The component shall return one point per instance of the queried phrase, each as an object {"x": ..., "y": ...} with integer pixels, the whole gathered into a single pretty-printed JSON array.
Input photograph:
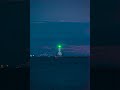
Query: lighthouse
[{"x": 59, "y": 53}]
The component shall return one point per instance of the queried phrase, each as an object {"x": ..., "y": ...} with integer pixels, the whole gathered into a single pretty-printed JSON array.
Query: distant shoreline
[{"x": 63, "y": 57}]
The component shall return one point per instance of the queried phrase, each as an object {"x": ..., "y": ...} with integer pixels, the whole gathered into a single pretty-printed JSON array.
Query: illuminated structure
[{"x": 59, "y": 50}]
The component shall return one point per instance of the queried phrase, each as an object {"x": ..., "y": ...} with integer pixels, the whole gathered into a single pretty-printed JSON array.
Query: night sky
[{"x": 60, "y": 21}]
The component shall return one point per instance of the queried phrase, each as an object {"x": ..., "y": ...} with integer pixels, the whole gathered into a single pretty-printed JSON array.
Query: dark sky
[
  {"x": 60, "y": 21},
  {"x": 58, "y": 10}
]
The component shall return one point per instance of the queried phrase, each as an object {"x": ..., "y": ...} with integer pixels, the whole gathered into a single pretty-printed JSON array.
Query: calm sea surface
[{"x": 59, "y": 74}]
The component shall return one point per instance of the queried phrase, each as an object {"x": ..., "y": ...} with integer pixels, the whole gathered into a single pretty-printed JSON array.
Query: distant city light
[
  {"x": 32, "y": 55},
  {"x": 2, "y": 66}
]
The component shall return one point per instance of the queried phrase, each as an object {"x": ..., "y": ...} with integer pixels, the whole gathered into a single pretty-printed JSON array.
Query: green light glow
[{"x": 59, "y": 46}]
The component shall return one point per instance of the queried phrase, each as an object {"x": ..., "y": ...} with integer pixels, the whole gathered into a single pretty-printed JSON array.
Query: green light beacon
[{"x": 59, "y": 50}]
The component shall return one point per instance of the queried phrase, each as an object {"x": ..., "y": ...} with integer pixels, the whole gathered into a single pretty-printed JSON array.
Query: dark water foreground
[
  {"x": 55, "y": 74},
  {"x": 59, "y": 73},
  {"x": 14, "y": 79}
]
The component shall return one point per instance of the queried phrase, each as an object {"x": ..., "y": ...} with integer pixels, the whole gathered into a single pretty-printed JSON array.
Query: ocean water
[{"x": 60, "y": 73}]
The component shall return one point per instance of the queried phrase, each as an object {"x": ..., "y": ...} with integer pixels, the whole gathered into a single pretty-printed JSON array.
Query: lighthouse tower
[{"x": 59, "y": 53}]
